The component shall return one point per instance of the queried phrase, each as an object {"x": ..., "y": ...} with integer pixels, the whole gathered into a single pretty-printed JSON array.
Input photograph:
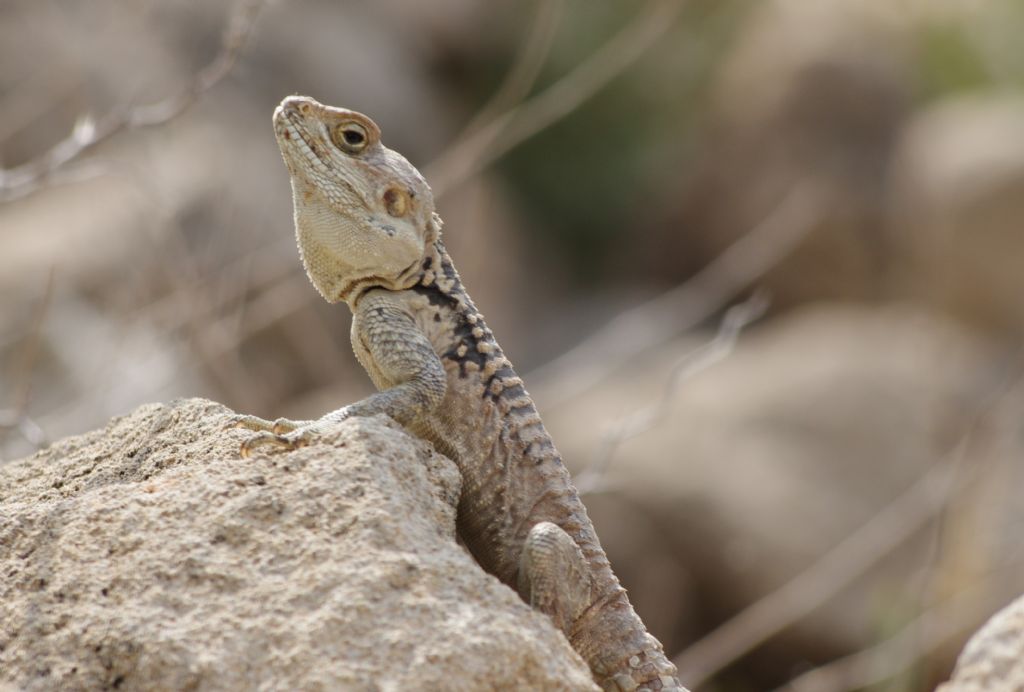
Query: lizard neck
[
  {"x": 419, "y": 273},
  {"x": 438, "y": 272}
]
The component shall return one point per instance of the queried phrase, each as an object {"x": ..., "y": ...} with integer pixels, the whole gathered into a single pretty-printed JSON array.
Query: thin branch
[
  {"x": 16, "y": 417},
  {"x": 30, "y": 353},
  {"x": 504, "y": 132},
  {"x": 820, "y": 582},
  {"x": 525, "y": 68},
  {"x": 886, "y": 659},
  {"x": 735, "y": 320},
  {"x": 88, "y": 132},
  {"x": 834, "y": 571},
  {"x": 272, "y": 304},
  {"x": 10, "y": 419},
  {"x": 257, "y": 269},
  {"x": 226, "y": 369},
  {"x": 656, "y": 321}
]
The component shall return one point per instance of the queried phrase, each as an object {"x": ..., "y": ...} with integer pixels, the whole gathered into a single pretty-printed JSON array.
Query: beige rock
[
  {"x": 150, "y": 556},
  {"x": 957, "y": 205},
  {"x": 994, "y": 657}
]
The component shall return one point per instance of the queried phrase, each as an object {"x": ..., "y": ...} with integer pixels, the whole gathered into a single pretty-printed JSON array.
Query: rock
[
  {"x": 149, "y": 555},
  {"x": 994, "y": 657},
  {"x": 957, "y": 201}
]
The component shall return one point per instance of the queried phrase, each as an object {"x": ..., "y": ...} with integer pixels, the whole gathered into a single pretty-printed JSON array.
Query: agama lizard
[{"x": 369, "y": 236}]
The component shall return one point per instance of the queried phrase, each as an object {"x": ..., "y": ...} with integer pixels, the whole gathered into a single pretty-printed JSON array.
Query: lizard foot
[
  {"x": 281, "y": 426},
  {"x": 553, "y": 575},
  {"x": 265, "y": 438},
  {"x": 282, "y": 433}
]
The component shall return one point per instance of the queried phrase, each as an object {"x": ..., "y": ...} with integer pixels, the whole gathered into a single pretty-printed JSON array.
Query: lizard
[{"x": 369, "y": 236}]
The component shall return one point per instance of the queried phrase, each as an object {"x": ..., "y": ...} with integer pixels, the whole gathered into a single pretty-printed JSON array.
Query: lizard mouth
[
  {"x": 302, "y": 149},
  {"x": 295, "y": 138}
]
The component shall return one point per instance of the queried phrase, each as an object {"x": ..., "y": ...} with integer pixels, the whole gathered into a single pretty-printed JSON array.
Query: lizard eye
[{"x": 350, "y": 137}]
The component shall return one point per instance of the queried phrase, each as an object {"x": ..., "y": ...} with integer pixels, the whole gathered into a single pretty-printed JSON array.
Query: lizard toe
[{"x": 267, "y": 438}]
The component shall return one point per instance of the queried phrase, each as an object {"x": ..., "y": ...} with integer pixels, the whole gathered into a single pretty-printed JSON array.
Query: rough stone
[
  {"x": 150, "y": 556},
  {"x": 994, "y": 657}
]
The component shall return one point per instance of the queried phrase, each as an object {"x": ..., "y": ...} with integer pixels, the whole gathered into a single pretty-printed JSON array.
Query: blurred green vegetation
[
  {"x": 972, "y": 51},
  {"x": 594, "y": 170},
  {"x": 950, "y": 61}
]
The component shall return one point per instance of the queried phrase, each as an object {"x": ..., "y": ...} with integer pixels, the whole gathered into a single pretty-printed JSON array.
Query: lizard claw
[
  {"x": 281, "y": 433},
  {"x": 267, "y": 438},
  {"x": 281, "y": 426}
]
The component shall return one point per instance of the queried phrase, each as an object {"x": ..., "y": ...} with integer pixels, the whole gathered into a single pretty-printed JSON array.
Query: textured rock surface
[
  {"x": 150, "y": 556},
  {"x": 994, "y": 657}
]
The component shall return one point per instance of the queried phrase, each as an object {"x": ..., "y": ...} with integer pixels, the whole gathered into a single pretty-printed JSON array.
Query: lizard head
[{"x": 364, "y": 216}]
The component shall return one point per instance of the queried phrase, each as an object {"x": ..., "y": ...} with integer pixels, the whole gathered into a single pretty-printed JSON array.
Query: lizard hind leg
[{"x": 553, "y": 575}]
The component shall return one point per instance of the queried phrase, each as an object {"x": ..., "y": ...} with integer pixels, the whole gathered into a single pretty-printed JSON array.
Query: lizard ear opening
[{"x": 396, "y": 201}]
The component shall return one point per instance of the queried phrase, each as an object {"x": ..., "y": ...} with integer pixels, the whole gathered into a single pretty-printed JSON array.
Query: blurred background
[{"x": 760, "y": 263}]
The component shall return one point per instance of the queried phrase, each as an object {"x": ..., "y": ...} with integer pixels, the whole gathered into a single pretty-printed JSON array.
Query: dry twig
[
  {"x": 834, "y": 571},
  {"x": 488, "y": 143},
  {"x": 50, "y": 168},
  {"x": 10, "y": 419},
  {"x": 906, "y": 515},
  {"x": 656, "y": 321},
  {"x": 16, "y": 417},
  {"x": 524, "y": 71},
  {"x": 938, "y": 621},
  {"x": 735, "y": 320},
  {"x": 922, "y": 635}
]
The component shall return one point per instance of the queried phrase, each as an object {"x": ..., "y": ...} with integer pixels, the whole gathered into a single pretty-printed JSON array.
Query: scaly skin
[{"x": 368, "y": 235}]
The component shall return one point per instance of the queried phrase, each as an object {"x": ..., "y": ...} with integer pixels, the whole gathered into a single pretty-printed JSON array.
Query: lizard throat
[{"x": 353, "y": 290}]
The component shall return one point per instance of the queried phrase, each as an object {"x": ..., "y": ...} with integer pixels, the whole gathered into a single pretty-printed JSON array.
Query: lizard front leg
[{"x": 401, "y": 362}]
